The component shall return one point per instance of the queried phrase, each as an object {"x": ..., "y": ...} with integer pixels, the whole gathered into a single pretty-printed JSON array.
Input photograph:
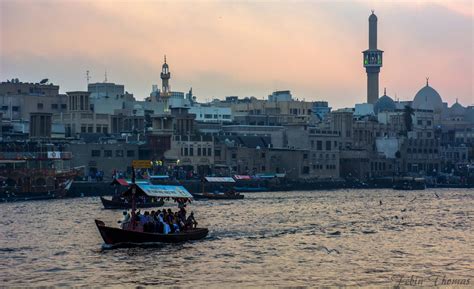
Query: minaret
[
  {"x": 165, "y": 76},
  {"x": 372, "y": 62}
]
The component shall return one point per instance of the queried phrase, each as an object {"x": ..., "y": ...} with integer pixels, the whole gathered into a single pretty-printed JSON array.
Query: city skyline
[{"x": 251, "y": 49}]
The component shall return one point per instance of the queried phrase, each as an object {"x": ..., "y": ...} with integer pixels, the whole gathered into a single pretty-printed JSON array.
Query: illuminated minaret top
[
  {"x": 372, "y": 61},
  {"x": 165, "y": 76}
]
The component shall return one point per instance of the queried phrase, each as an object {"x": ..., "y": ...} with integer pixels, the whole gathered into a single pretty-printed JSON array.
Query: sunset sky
[{"x": 251, "y": 48}]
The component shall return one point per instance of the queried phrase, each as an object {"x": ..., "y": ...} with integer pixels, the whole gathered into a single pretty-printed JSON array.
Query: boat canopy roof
[
  {"x": 124, "y": 182},
  {"x": 269, "y": 176},
  {"x": 220, "y": 180},
  {"x": 159, "y": 177},
  {"x": 242, "y": 177},
  {"x": 160, "y": 191}
]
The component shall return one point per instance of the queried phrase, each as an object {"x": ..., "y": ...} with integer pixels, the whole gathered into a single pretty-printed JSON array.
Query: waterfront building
[
  {"x": 79, "y": 118},
  {"x": 19, "y": 99},
  {"x": 106, "y": 156}
]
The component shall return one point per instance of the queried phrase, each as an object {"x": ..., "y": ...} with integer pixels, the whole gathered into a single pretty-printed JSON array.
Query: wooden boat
[
  {"x": 250, "y": 189},
  {"x": 409, "y": 184},
  {"x": 132, "y": 234},
  {"x": 219, "y": 196},
  {"x": 113, "y": 236},
  {"x": 222, "y": 193},
  {"x": 111, "y": 204}
]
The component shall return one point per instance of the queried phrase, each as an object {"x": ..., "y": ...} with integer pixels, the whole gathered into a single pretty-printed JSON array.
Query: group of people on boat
[{"x": 161, "y": 221}]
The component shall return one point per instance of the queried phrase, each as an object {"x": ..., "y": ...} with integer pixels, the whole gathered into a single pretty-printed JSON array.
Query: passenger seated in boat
[
  {"x": 176, "y": 228},
  {"x": 159, "y": 222},
  {"x": 148, "y": 224},
  {"x": 170, "y": 217},
  {"x": 125, "y": 222},
  {"x": 191, "y": 222},
  {"x": 166, "y": 228}
]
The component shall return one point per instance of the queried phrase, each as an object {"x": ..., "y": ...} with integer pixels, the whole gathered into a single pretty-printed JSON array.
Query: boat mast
[{"x": 134, "y": 207}]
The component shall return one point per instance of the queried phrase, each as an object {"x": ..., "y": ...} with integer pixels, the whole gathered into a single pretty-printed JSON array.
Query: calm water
[{"x": 282, "y": 238}]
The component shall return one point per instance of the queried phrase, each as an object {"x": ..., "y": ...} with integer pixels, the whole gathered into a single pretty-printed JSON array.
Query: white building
[{"x": 212, "y": 113}]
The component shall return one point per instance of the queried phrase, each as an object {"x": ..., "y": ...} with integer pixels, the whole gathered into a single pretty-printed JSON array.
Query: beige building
[
  {"x": 80, "y": 119},
  {"x": 19, "y": 99},
  {"x": 192, "y": 151}
]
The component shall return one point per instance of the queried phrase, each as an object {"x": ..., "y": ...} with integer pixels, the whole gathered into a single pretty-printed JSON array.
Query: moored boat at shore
[
  {"x": 409, "y": 184},
  {"x": 219, "y": 196},
  {"x": 226, "y": 189}
]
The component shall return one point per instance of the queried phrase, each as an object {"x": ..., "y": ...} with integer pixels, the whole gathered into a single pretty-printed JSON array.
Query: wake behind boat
[{"x": 166, "y": 227}]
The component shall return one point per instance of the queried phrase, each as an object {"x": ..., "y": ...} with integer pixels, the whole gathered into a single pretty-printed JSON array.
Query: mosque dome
[
  {"x": 457, "y": 109},
  {"x": 428, "y": 98},
  {"x": 385, "y": 103}
]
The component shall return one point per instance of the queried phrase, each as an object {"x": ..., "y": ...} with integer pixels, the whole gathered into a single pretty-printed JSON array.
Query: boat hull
[
  {"x": 114, "y": 236},
  {"x": 218, "y": 196},
  {"x": 109, "y": 204},
  {"x": 250, "y": 189}
]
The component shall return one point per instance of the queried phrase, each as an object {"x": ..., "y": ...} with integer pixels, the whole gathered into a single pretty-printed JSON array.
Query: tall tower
[
  {"x": 372, "y": 61},
  {"x": 165, "y": 76}
]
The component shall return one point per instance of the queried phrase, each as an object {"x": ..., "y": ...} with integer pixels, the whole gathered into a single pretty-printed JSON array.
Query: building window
[
  {"x": 420, "y": 122},
  {"x": 263, "y": 155},
  {"x": 119, "y": 153},
  {"x": 185, "y": 151},
  {"x": 54, "y": 106},
  {"x": 199, "y": 151},
  {"x": 108, "y": 153},
  {"x": 203, "y": 151},
  {"x": 217, "y": 153},
  {"x": 63, "y": 106},
  {"x": 105, "y": 129},
  {"x": 83, "y": 128},
  {"x": 40, "y": 105},
  {"x": 95, "y": 153},
  {"x": 191, "y": 151},
  {"x": 5, "y": 107},
  {"x": 15, "y": 108},
  {"x": 319, "y": 145},
  {"x": 209, "y": 151},
  {"x": 328, "y": 145},
  {"x": 130, "y": 153},
  {"x": 234, "y": 156},
  {"x": 90, "y": 128}
]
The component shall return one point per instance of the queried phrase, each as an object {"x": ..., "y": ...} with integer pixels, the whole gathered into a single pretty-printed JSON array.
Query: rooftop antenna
[
  {"x": 105, "y": 76},
  {"x": 427, "y": 80},
  {"x": 88, "y": 77}
]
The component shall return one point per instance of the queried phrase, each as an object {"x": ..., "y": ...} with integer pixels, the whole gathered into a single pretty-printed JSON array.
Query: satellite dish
[{"x": 44, "y": 81}]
